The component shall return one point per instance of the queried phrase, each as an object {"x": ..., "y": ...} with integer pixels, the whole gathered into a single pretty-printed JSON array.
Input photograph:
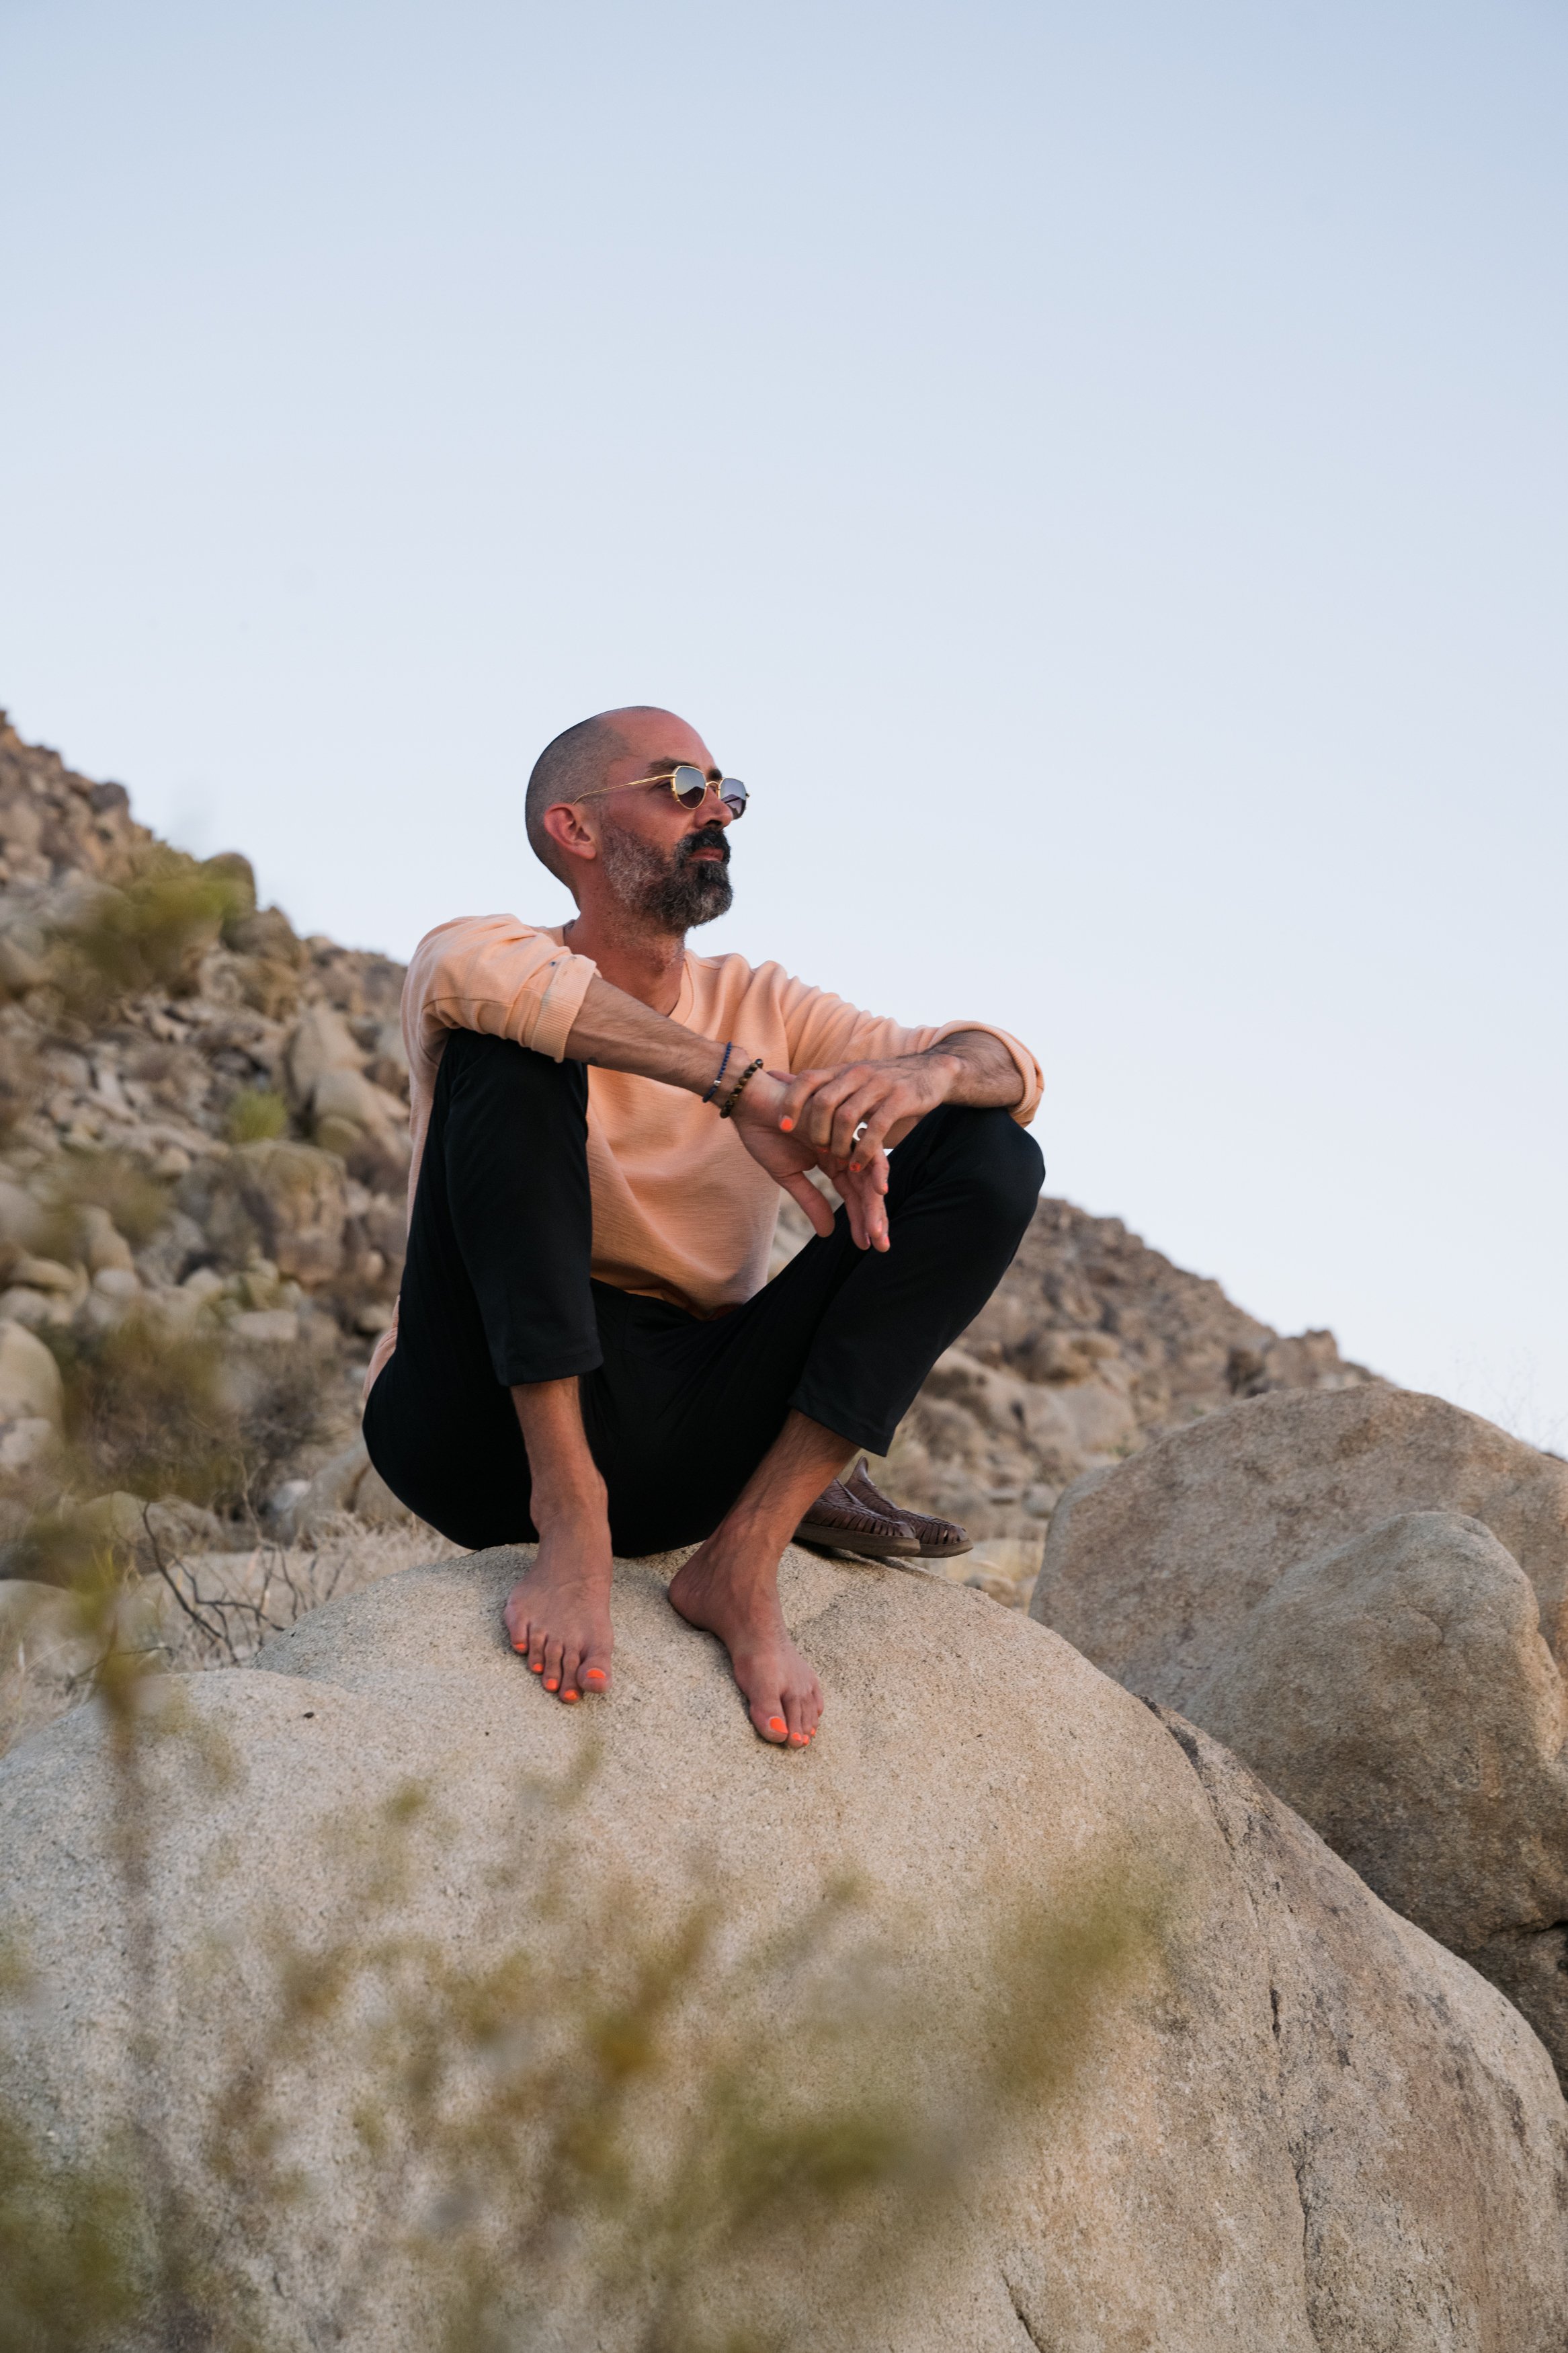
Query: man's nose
[{"x": 714, "y": 806}]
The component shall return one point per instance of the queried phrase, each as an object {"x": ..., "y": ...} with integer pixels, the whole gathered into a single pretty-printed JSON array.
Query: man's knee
[{"x": 1003, "y": 1169}]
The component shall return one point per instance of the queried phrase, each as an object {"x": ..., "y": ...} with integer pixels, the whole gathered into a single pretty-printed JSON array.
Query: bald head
[{"x": 579, "y": 759}]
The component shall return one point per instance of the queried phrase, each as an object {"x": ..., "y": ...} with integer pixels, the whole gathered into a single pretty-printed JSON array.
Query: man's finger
[
  {"x": 819, "y": 1114},
  {"x": 875, "y": 1109},
  {"x": 863, "y": 1197},
  {"x": 800, "y": 1188},
  {"x": 797, "y": 1087}
]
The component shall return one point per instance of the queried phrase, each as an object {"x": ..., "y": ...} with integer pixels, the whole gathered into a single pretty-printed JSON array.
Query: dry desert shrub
[
  {"x": 192, "y": 1610},
  {"x": 149, "y": 933},
  {"x": 117, "y": 1183},
  {"x": 152, "y": 1409},
  {"x": 255, "y": 1115},
  {"x": 220, "y": 1608}
]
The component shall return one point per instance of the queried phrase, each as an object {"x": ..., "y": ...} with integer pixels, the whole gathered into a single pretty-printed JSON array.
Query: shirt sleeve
[
  {"x": 495, "y": 974},
  {"x": 823, "y": 1029}
]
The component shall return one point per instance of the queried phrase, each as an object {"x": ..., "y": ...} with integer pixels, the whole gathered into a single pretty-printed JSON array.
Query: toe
[
  {"x": 770, "y": 1722},
  {"x": 553, "y": 1664},
  {"x": 594, "y": 1674}
]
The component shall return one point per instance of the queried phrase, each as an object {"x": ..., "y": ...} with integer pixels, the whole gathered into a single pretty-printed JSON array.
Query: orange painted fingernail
[
  {"x": 787, "y": 1125},
  {"x": 594, "y": 1674},
  {"x": 777, "y": 1723}
]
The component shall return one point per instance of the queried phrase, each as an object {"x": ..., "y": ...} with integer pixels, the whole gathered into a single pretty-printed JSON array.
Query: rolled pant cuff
[
  {"x": 871, "y": 1438},
  {"x": 525, "y": 1372}
]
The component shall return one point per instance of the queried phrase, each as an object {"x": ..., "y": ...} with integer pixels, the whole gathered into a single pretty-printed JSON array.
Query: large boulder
[
  {"x": 1397, "y": 1692},
  {"x": 1360, "y": 1593},
  {"x": 1180, "y": 2079},
  {"x": 1152, "y": 1568}
]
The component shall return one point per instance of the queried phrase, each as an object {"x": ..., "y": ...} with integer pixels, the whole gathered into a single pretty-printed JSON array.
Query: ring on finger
[{"x": 860, "y": 1131}]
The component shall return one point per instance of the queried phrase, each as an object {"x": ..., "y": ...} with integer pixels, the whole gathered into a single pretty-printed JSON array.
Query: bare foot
[
  {"x": 722, "y": 1589},
  {"x": 558, "y": 1614}
]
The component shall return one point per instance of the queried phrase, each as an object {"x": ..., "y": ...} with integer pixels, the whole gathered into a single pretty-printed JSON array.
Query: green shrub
[
  {"x": 255, "y": 1115},
  {"x": 149, "y": 933}
]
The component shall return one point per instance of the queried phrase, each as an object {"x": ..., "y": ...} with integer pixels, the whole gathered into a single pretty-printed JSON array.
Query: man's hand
[
  {"x": 786, "y": 1158},
  {"x": 825, "y": 1108}
]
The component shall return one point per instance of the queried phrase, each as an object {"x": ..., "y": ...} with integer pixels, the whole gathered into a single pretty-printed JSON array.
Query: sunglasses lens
[
  {"x": 690, "y": 786},
  {"x": 734, "y": 795}
]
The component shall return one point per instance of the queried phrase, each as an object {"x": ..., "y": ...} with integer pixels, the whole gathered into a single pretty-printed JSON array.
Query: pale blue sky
[{"x": 1098, "y": 473}]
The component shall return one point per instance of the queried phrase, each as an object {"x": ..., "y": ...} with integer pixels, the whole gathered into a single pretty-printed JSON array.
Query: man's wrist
[{"x": 948, "y": 1068}]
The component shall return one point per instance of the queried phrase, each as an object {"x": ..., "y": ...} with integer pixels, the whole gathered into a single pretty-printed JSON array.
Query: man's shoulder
[
  {"x": 464, "y": 935},
  {"x": 733, "y": 972},
  {"x": 488, "y": 927}
]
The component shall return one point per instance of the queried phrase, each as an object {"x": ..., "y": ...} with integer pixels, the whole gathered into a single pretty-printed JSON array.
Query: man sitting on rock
[{"x": 586, "y": 1347}]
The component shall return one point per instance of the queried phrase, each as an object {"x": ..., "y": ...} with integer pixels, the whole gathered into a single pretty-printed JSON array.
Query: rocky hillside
[{"x": 202, "y": 1166}]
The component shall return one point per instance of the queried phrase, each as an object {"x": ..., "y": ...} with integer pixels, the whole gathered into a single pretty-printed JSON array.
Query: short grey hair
[{"x": 570, "y": 766}]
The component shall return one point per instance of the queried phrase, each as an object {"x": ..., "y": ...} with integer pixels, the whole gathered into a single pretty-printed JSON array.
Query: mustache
[{"x": 706, "y": 837}]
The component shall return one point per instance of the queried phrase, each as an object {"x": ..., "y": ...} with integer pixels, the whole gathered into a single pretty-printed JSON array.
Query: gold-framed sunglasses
[{"x": 691, "y": 788}]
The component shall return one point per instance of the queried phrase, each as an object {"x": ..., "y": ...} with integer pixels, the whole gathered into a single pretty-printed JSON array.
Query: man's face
[{"x": 667, "y": 864}]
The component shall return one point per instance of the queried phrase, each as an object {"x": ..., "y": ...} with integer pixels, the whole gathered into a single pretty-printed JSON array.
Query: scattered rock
[
  {"x": 1092, "y": 1347},
  {"x": 267, "y": 1327},
  {"x": 29, "y": 1378},
  {"x": 321, "y": 1498},
  {"x": 323, "y": 1043},
  {"x": 286, "y": 1199}
]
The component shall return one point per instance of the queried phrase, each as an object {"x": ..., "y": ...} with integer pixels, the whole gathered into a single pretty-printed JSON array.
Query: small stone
[
  {"x": 26, "y": 1443},
  {"x": 270, "y": 1327}
]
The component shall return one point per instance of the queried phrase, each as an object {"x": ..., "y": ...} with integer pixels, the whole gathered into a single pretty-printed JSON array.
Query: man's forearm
[
  {"x": 986, "y": 1077},
  {"x": 619, "y": 1033}
]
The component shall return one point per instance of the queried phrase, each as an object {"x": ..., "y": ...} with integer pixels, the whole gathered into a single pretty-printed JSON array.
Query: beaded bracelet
[
  {"x": 739, "y": 1089},
  {"x": 714, "y": 1088}
]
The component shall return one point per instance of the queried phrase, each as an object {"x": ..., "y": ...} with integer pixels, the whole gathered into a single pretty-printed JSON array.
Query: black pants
[{"x": 678, "y": 1409}]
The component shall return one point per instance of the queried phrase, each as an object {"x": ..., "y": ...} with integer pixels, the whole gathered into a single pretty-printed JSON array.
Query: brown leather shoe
[
  {"x": 845, "y": 1522},
  {"x": 936, "y": 1539}
]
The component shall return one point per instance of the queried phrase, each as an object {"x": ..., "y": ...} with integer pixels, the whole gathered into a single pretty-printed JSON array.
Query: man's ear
[{"x": 563, "y": 821}]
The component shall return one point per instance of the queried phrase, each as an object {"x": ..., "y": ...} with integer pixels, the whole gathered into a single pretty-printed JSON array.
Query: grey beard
[{"x": 676, "y": 895}]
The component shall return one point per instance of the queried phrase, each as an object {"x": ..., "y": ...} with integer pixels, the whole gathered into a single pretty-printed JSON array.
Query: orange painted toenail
[
  {"x": 777, "y": 1723},
  {"x": 549, "y": 1685},
  {"x": 571, "y": 1697},
  {"x": 538, "y": 1665},
  {"x": 593, "y": 1675}
]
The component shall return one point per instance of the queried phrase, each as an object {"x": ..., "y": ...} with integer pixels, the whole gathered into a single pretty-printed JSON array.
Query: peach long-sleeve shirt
[{"x": 681, "y": 1208}]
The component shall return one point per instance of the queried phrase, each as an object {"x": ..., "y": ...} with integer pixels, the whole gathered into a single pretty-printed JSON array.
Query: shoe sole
[{"x": 870, "y": 1546}]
